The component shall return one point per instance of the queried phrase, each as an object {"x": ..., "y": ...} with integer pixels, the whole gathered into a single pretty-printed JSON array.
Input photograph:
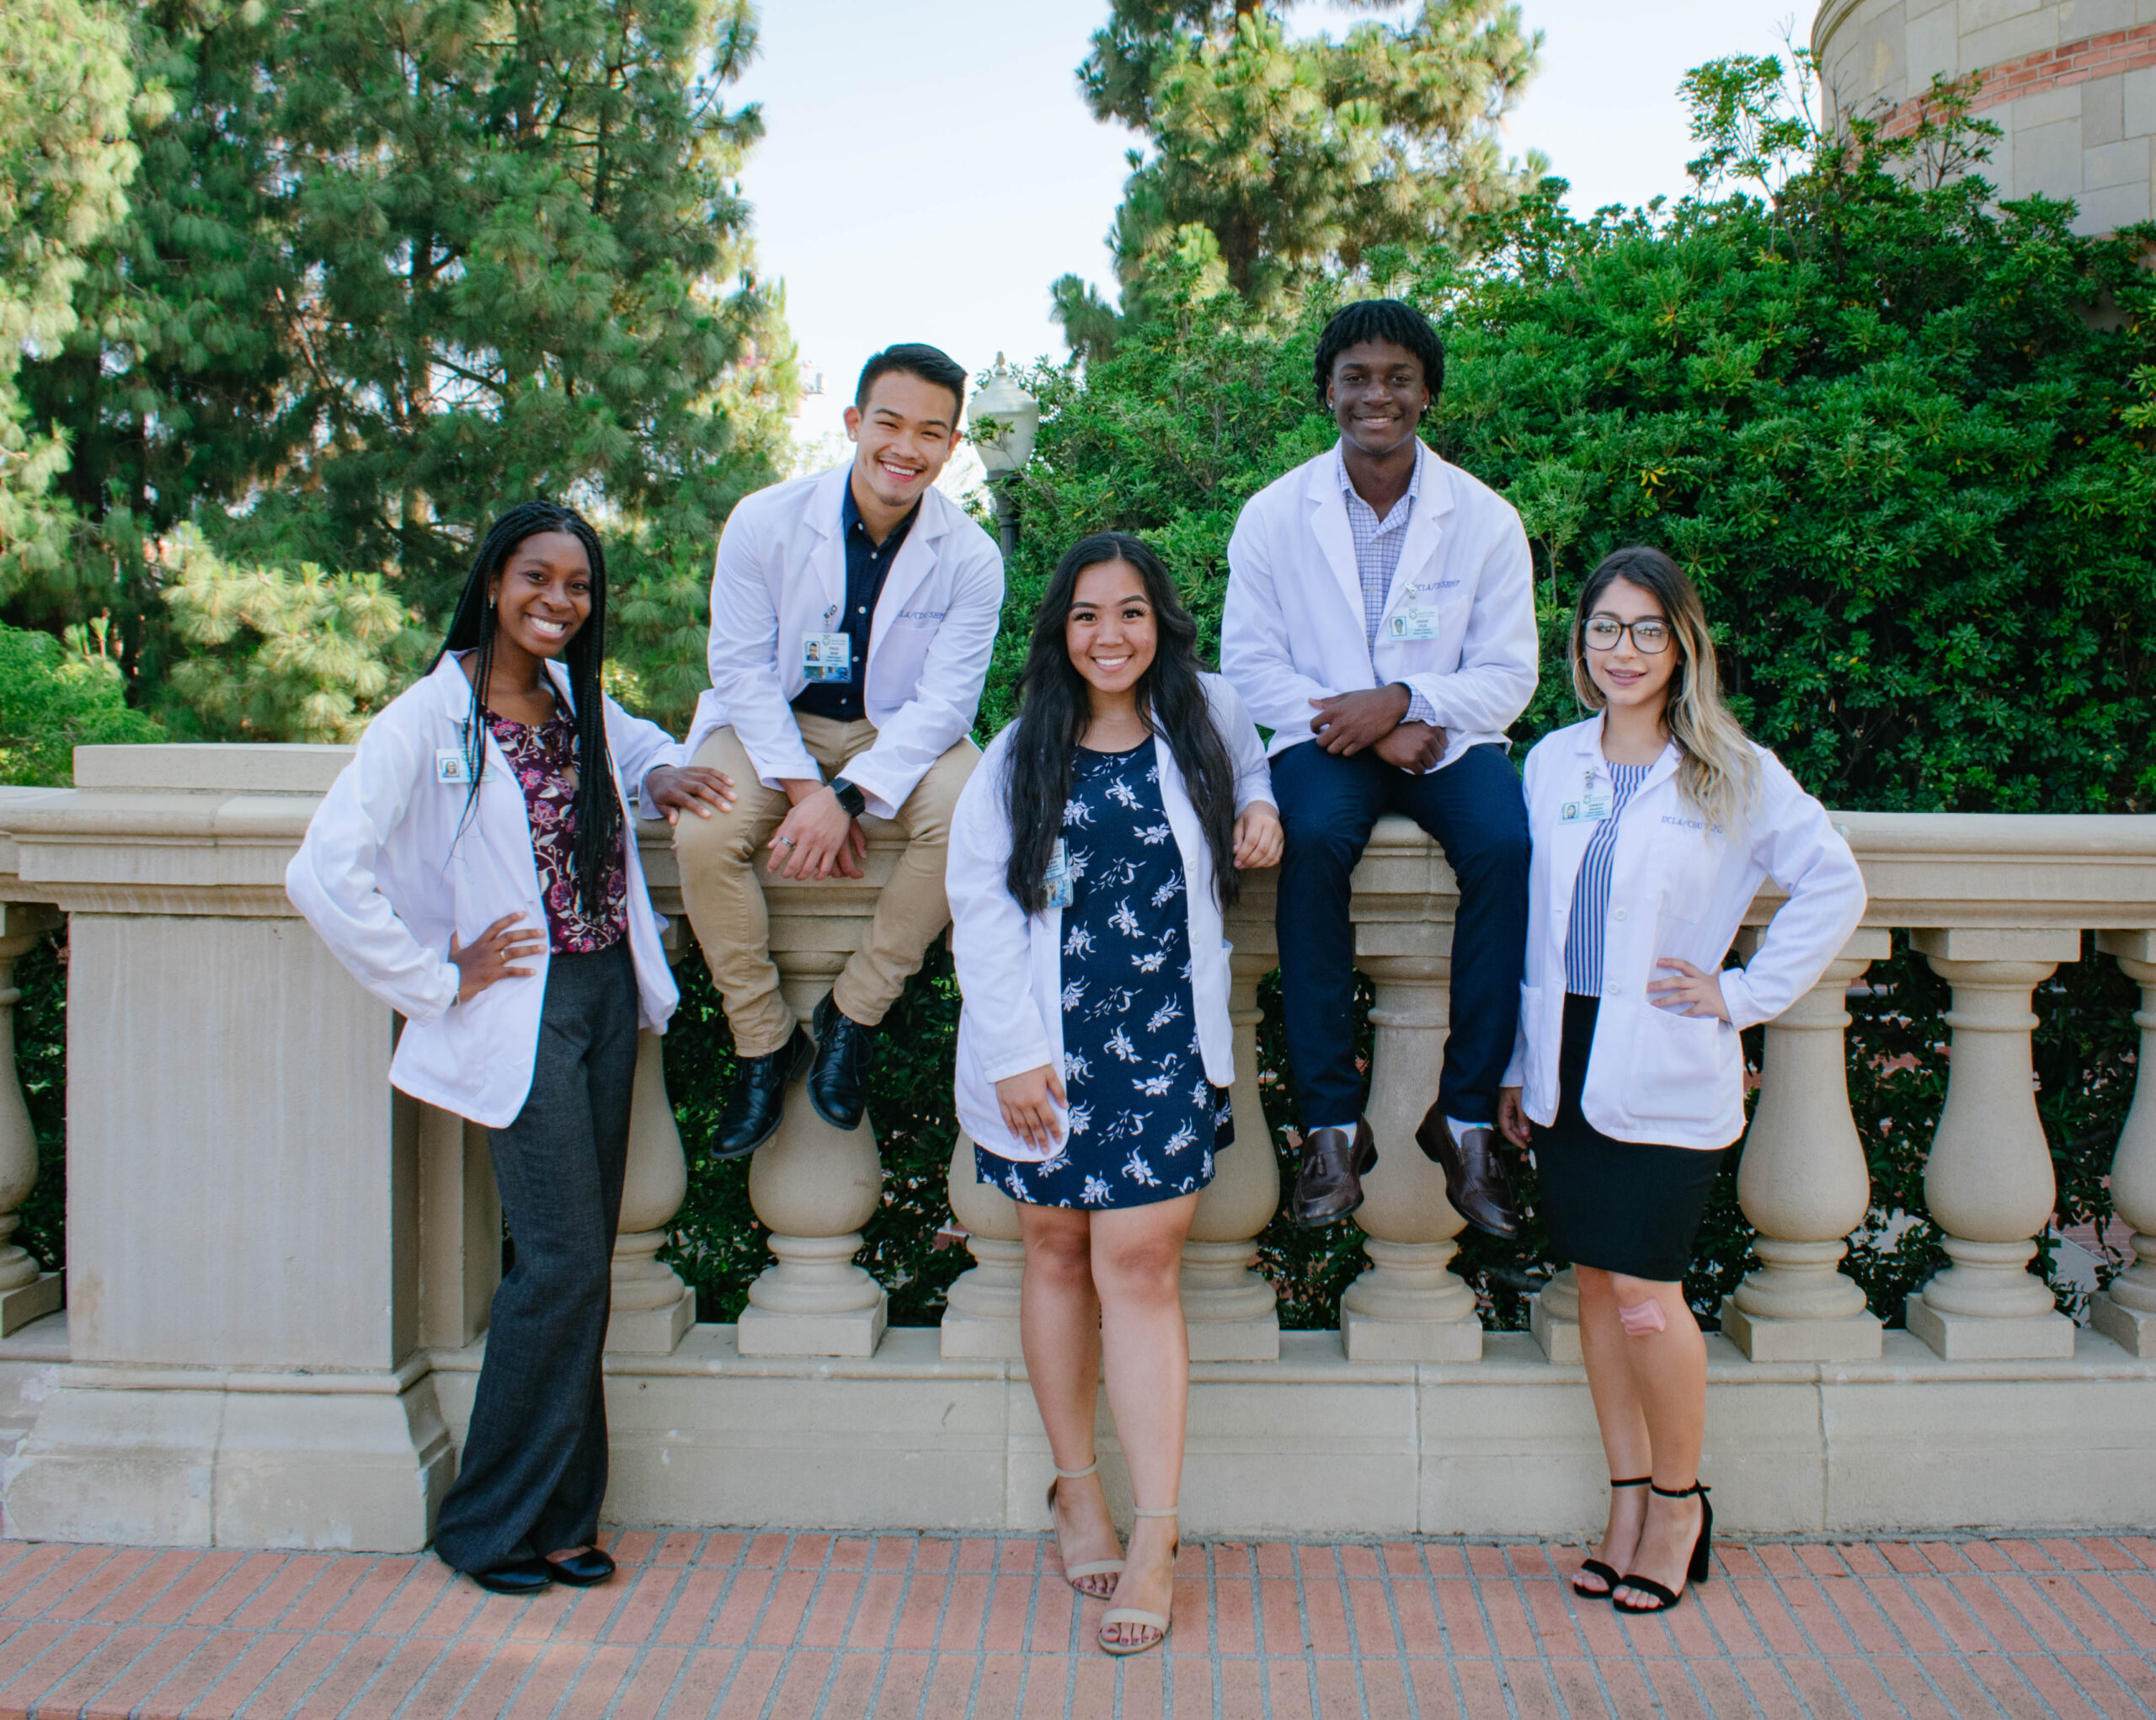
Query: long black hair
[
  {"x": 1055, "y": 703},
  {"x": 598, "y": 811}
]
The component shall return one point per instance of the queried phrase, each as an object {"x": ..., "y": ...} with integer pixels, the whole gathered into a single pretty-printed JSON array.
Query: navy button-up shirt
[{"x": 867, "y": 565}]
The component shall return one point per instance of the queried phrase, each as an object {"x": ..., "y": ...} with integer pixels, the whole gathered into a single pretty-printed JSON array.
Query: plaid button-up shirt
[{"x": 1378, "y": 544}]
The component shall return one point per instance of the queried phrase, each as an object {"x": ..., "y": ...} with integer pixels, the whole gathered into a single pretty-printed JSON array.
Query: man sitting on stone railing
[{"x": 852, "y": 616}]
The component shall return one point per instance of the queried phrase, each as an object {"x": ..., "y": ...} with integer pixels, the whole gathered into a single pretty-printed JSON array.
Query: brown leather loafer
[
  {"x": 1329, "y": 1186},
  {"x": 1475, "y": 1182}
]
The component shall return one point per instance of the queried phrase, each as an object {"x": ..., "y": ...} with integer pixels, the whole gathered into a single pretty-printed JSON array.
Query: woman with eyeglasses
[{"x": 1655, "y": 822}]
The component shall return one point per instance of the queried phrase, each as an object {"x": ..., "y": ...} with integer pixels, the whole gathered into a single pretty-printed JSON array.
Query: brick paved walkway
[{"x": 938, "y": 1625}]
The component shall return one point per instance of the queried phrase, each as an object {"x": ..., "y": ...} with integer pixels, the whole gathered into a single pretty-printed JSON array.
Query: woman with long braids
[
  {"x": 1655, "y": 822},
  {"x": 1092, "y": 856},
  {"x": 473, "y": 868}
]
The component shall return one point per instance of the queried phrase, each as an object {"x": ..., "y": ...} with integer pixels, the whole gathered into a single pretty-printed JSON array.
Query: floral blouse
[{"x": 544, "y": 759}]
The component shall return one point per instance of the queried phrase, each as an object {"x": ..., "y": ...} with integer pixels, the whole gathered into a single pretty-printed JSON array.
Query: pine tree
[
  {"x": 66, "y": 90},
  {"x": 1270, "y": 155},
  {"x": 396, "y": 264}
]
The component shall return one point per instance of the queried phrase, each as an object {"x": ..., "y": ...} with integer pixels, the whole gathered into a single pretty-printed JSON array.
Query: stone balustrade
[{"x": 279, "y": 1270}]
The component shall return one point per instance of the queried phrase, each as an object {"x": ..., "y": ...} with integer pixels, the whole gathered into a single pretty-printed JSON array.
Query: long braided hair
[{"x": 597, "y": 810}]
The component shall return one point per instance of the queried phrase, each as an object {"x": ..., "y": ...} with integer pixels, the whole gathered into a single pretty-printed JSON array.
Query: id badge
[
  {"x": 1413, "y": 622},
  {"x": 827, "y": 657},
  {"x": 1062, "y": 892},
  {"x": 451, "y": 768},
  {"x": 1588, "y": 808}
]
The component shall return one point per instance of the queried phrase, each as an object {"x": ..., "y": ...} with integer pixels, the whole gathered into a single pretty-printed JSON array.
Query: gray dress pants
[{"x": 534, "y": 1468}]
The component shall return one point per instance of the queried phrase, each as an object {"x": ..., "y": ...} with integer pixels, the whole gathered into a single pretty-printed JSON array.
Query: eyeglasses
[{"x": 1650, "y": 638}]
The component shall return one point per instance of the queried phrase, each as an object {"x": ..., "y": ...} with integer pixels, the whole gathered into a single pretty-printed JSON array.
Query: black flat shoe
[
  {"x": 758, "y": 1101},
  {"x": 581, "y": 1570},
  {"x": 522, "y": 1577},
  {"x": 838, "y": 1081}
]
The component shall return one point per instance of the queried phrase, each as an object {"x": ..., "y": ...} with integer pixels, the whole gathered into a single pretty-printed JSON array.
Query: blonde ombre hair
[{"x": 1720, "y": 772}]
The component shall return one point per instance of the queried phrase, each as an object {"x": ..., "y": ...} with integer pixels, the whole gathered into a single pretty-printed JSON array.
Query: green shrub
[{"x": 53, "y": 699}]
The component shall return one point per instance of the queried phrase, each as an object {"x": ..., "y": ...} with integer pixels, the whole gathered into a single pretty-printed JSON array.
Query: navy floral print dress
[{"x": 1143, "y": 1121}]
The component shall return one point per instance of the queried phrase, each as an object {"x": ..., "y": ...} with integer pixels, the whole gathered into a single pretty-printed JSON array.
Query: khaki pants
[{"x": 722, "y": 859}]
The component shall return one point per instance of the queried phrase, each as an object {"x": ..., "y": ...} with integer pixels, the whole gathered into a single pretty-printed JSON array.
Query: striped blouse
[{"x": 1583, "y": 937}]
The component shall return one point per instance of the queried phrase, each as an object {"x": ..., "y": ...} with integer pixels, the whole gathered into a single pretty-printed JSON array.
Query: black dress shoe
[
  {"x": 758, "y": 1101},
  {"x": 1475, "y": 1182},
  {"x": 838, "y": 1081},
  {"x": 1329, "y": 1185},
  {"x": 523, "y": 1577},
  {"x": 581, "y": 1570}
]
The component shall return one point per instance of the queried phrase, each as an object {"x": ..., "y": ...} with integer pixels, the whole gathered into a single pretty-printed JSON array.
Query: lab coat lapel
[
  {"x": 916, "y": 560},
  {"x": 1329, "y": 525},
  {"x": 827, "y": 548},
  {"x": 1425, "y": 520}
]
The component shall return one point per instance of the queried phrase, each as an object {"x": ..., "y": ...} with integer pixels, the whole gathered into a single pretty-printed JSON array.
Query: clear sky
[{"x": 928, "y": 170}]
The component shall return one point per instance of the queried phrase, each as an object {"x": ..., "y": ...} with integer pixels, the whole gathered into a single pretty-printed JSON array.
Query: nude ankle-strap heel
[
  {"x": 1094, "y": 1567},
  {"x": 1139, "y": 1614}
]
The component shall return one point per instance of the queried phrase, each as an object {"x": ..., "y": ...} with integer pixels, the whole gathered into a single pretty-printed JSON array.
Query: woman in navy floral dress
[
  {"x": 1093, "y": 855},
  {"x": 1142, "y": 1118}
]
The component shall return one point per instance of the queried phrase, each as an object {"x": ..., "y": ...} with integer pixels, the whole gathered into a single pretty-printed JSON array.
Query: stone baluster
[
  {"x": 815, "y": 1188},
  {"x": 1804, "y": 1183},
  {"x": 652, "y": 1308},
  {"x": 1229, "y": 1306},
  {"x": 26, "y": 1291},
  {"x": 980, "y": 1312},
  {"x": 2125, "y": 1312},
  {"x": 1553, "y": 1318},
  {"x": 1988, "y": 1181},
  {"x": 1408, "y": 1306}
]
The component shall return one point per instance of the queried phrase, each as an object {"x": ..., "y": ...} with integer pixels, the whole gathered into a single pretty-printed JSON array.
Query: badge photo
[{"x": 451, "y": 768}]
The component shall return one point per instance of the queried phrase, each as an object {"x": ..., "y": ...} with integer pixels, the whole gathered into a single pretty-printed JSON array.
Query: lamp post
[{"x": 1004, "y": 420}]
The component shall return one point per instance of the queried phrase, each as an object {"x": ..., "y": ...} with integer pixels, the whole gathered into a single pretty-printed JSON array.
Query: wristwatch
[{"x": 849, "y": 796}]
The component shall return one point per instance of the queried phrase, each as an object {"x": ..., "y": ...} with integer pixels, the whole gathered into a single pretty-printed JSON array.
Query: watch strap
[{"x": 849, "y": 796}]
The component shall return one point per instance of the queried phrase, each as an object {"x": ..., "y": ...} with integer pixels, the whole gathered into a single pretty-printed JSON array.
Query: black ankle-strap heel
[
  {"x": 1601, "y": 1567},
  {"x": 1697, "y": 1571}
]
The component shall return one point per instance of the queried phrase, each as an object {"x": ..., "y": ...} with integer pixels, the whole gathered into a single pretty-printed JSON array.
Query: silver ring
[{"x": 789, "y": 840}]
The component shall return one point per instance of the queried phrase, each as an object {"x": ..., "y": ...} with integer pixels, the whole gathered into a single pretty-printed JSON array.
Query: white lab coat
[
  {"x": 384, "y": 876},
  {"x": 1676, "y": 889},
  {"x": 1010, "y": 962},
  {"x": 781, "y": 575},
  {"x": 1292, "y": 628}
]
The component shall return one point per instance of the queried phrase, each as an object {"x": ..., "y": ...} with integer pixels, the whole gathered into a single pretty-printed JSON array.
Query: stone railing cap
[{"x": 215, "y": 767}]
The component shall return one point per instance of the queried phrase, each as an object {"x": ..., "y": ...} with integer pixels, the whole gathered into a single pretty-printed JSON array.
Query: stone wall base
[
  {"x": 1310, "y": 1444},
  {"x": 176, "y": 1457},
  {"x": 1316, "y": 1444}
]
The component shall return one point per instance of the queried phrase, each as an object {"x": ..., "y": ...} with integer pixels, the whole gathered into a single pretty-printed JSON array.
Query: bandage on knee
[{"x": 1642, "y": 1318}]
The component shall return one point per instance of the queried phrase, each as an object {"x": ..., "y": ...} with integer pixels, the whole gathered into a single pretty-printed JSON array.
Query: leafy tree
[
  {"x": 65, "y": 93},
  {"x": 1269, "y": 155},
  {"x": 1902, "y": 436},
  {"x": 53, "y": 699}
]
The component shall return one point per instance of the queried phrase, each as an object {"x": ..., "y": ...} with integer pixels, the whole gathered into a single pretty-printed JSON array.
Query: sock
[
  {"x": 1349, "y": 1126},
  {"x": 1460, "y": 1128}
]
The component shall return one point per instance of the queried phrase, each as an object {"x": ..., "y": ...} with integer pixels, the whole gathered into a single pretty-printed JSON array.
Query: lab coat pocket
[{"x": 1679, "y": 1071}]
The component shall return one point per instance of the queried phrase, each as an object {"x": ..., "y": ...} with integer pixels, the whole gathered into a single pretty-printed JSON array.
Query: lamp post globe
[{"x": 1004, "y": 419}]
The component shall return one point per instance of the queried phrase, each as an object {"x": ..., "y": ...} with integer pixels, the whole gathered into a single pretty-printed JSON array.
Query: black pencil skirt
[{"x": 1620, "y": 1205}]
